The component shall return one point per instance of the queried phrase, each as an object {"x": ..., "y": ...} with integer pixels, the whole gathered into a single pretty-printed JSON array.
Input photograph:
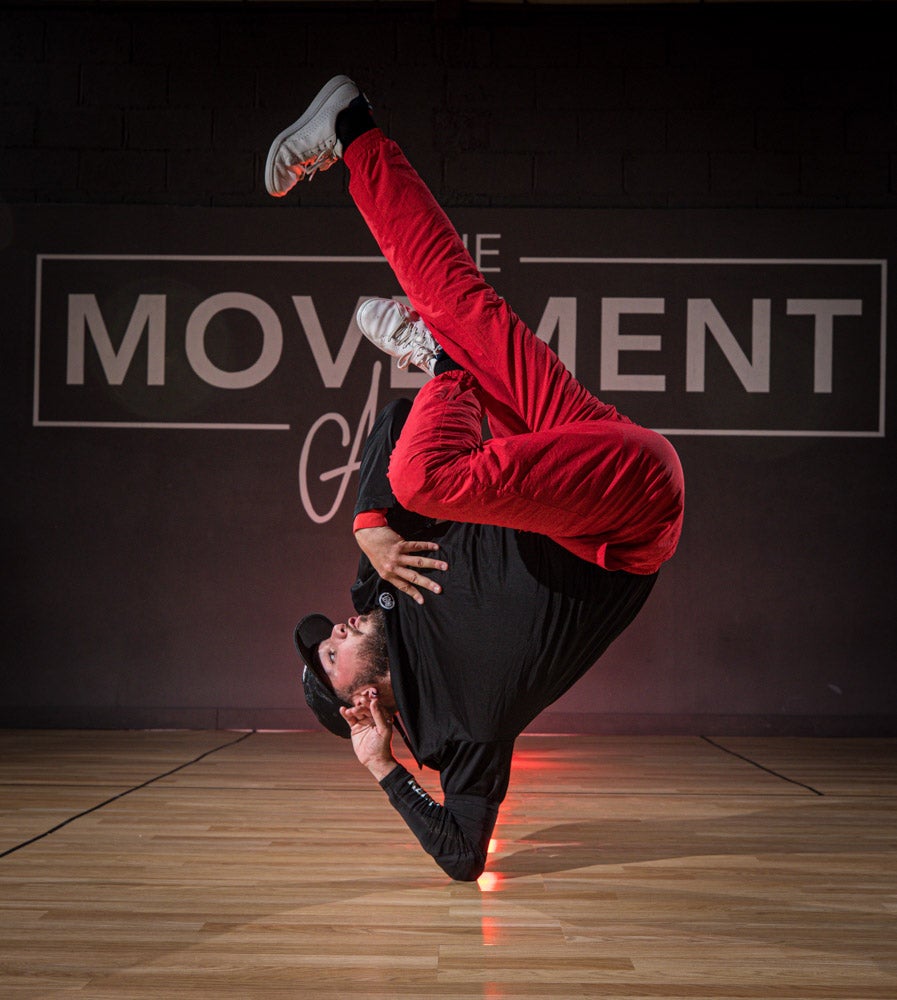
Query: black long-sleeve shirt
[{"x": 519, "y": 620}]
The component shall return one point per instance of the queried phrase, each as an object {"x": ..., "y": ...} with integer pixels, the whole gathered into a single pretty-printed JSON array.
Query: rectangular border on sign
[
  {"x": 881, "y": 264},
  {"x": 759, "y": 262},
  {"x": 211, "y": 258}
]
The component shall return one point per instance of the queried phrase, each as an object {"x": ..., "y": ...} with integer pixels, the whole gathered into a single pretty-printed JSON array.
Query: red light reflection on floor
[
  {"x": 490, "y": 881},
  {"x": 536, "y": 760},
  {"x": 491, "y": 930}
]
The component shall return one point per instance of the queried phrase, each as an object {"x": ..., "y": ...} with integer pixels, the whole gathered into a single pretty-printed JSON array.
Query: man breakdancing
[{"x": 546, "y": 538}]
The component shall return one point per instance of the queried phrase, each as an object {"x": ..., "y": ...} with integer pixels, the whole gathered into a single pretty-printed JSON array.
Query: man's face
[{"x": 344, "y": 656}]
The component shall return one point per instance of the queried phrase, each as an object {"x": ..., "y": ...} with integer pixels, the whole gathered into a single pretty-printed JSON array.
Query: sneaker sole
[{"x": 323, "y": 96}]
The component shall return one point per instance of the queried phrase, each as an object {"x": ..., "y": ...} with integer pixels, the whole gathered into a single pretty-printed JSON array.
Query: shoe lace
[
  {"x": 323, "y": 161},
  {"x": 410, "y": 341}
]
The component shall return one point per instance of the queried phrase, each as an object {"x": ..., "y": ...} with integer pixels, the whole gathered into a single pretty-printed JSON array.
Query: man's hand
[
  {"x": 371, "y": 731},
  {"x": 398, "y": 561}
]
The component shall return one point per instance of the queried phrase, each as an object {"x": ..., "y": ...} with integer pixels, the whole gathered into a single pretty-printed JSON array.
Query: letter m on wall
[{"x": 84, "y": 316}]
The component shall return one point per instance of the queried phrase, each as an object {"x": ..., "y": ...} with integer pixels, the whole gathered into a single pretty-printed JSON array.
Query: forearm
[
  {"x": 374, "y": 490},
  {"x": 457, "y": 839},
  {"x": 375, "y": 503}
]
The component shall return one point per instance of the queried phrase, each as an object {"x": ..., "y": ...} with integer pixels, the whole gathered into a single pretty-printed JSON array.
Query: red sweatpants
[{"x": 560, "y": 462}]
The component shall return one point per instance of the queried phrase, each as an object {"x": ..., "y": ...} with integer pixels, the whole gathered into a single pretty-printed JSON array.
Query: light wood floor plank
[{"x": 623, "y": 867}]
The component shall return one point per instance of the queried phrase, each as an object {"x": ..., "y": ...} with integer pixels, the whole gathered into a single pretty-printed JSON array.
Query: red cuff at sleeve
[{"x": 369, "y": 519}]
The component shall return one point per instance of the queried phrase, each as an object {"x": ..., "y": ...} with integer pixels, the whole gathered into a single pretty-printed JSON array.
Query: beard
[{"x": 376, "y": 656}]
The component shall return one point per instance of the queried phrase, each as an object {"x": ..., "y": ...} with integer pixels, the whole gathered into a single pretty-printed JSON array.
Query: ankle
[
  {"x": 353, "y": 121},
  {"x": 444, "y": 363}
]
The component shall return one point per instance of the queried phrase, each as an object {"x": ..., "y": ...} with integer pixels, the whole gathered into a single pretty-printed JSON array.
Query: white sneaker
[
  {"x": 310, "y": 143},
  {"x": 398, "y": 331}
]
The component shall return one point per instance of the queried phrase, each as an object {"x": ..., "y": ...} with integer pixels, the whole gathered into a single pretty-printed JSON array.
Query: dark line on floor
[
  {"x": 127, "y": 791},
  {"x": 768, "y": 770}
]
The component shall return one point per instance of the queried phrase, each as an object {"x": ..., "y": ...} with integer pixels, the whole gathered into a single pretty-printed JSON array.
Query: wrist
[
  {"x": 381, "y": 768},
  {"x": 370, "y": 519}
]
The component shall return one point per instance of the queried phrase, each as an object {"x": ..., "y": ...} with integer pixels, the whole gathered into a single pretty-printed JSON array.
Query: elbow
[{"x": 464, "y": 869}]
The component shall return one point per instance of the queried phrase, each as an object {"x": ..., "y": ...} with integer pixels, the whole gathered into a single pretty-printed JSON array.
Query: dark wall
[
  {"x": 136, "y": 598},
  {"x": 715, "y": 105}
]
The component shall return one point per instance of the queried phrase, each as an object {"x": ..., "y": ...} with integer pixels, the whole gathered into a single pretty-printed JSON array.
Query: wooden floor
[{"x": 227, "y": 865}]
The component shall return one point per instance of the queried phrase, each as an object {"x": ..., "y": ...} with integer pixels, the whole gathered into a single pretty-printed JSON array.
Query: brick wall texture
[{"x": 710, "y": 105}]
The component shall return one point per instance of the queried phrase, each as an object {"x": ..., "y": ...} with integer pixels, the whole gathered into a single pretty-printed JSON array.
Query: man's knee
[
  {"x": 408, "y": 479},
  {"x": 418, "y": 481}
]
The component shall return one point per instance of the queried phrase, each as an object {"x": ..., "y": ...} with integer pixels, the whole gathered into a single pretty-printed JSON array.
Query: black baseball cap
[{"x": 319, "y": 693}]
